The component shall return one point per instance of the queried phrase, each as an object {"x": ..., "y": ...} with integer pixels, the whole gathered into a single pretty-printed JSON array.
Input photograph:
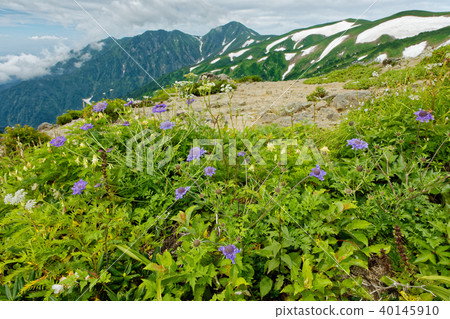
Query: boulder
[
  {"x": 295, "y": 107},
  {"x": 45, "y": 127},
  {"x": 212, "y": 77},
  {"x": 343, "y": 101},
  {"x": 268, "y": 118},
  {"x": 224, "y": 77}
]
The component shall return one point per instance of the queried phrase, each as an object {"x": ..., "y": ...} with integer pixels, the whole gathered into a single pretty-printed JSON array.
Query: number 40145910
[{"x": 409, "y": 310}]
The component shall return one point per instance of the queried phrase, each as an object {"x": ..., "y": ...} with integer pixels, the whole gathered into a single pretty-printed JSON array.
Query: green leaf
[
  {"x": 307, "y": 274},
  {"x": 272, "y": 264},
  {"x": 189, "y": 213},
  {"x": 441, "y": 292},
  {"x": 265, "y": 286},
  {"x": 240, "y": 281},
  {"x": 440, "y": 279},
  {"x": 361, "y": 237},
  {"x": 133, "y": 254},
  {"x": 428, "y": 255},
  {"x": 358, "y": 224}
]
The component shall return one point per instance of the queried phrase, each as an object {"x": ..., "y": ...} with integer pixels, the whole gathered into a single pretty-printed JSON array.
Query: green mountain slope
[
  {"x": 100, "y": 67},
  {"x": 301, "y": 53}
]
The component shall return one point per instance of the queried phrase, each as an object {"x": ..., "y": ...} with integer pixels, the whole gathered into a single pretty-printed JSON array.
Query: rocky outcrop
[
  {"x": 212, "y": 77},
  {"x": 343, "y": 101},
  {"x": 45, "y": 127}
]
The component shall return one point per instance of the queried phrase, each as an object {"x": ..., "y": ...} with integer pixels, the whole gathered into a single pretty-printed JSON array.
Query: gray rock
[
  {"x": 268, "y": 118},
  {"x": 333, "y": 117},
  {"x": 224, "y": 77},
  {"x": 45, "y": 127},
  {"x": 295, "y": 107},
  {"x": 283, "y": 121},
  {"x": 343, "y": 101},
  {"x": 321, "y": 105}
]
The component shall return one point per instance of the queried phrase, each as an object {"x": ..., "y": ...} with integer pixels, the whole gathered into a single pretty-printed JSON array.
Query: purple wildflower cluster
[
  {"x": 58, "y": 141},
  {"x": 180, "y": 192},
  {"x": 126, "y": 123},
  {"x": 129, "y": 103},
  {"x": 241, "y": 153},
  {"x": 87, "y": 126},
  {"x": 195, "y": 153},
  {"x": 423, "y": 116},
  {"x": 230, "y": 252},
  {"x": 160, "y": 108},
  {"x": 189, "y": 101},
  {"x": 100, "y": 106},
  {"x": 167, "y": 125},
  {"x": 209, "y": 171},
  {"x": 79, "y": 186},
  {"x": 318, "y": 173},
  {"x": 357, "y": 144}
]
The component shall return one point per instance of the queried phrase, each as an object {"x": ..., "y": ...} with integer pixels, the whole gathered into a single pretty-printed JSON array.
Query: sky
[{"x": 36, "y": 34}]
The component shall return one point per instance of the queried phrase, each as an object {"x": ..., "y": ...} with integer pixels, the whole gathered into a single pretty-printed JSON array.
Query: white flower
[
  {"x": 94, "y": 160},
  {"x": 30, "y": 204},
  {"x": 77, "y": 160},
  {"x": 57, "y": 289},
  {"x": 251, "y": 168},
  {"x": 8, "y": 199},
  {"x": 35, "y": 186},
  {"x": 85, "y": 162},
  {"x": 270, "y": 147}
]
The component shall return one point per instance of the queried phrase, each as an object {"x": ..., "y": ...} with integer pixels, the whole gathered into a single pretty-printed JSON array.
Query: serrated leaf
[
  {"x": 428, "y": 255},
  {"x": 240, "y": 281},
  {"x": 361, "y": 237},
  {"x": 265, "y": 286}
]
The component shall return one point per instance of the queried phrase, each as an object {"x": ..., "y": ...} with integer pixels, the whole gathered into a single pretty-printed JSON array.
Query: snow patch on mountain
[
  {"x": 234, "y": 67},
  {"x": 247, "y": 43},
  {"x": 289, "y": 56},
  {"x": 362, "y": 57},
  {"x": 193, "y": 67},
  {"x": 270, "y": 46},
  {"x": 414, "y": 50},
  {"x": 332, "y": 45},
  {"x": 262, "y": 59},
  {"x": 250, "y": 57},
  {"x": 403, "y": 27},
  {"x": 309, "y": 50},
  {"x": 327, "y": 31},
  {"x": 237, "y": 54},
  {"x": 215, "y": 61},
  {"x": 289, "y": 69},
  {"x": 226, "y": 47},
  {"x": 381, "y": 58},
  {"x": 280, "y": 49}
]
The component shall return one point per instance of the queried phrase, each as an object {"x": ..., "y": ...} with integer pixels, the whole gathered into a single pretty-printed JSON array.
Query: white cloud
[
  {"x": 27, "y": 66},
  {"x": 47, "y": 37}
]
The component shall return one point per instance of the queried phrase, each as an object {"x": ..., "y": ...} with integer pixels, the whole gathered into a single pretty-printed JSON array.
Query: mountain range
[{"x": 127, "y": 67}]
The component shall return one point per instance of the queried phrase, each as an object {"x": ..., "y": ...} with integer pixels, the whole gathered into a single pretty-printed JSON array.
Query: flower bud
[
  {"x": 218, "y": 191},
  {"x": 348, "y": 191},
  {"x": 359, "y": 168},
  {"x": 196, "y": 243},
  {"x": 277, "y": 190},
  {"x": 351, "y": 123}
]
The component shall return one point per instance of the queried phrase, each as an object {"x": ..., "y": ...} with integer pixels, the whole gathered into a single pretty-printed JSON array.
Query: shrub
[
  {"x": 63, "y": 119},
  {"x": 249, "y": 78},
  {"x": 214, "y": 89},
  {"x": 18, "y": 138},
  {"x": 318, "y": 94}
]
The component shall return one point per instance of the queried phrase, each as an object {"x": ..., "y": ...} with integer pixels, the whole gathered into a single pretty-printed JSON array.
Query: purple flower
[
  {"x": 160, "y": 108},
  {"x": 180, "y": 192},
  {"x": 189, "y": 101},
  {"x": 129, "y": 103},
  {"x": 100, "y": 106},
  {"x": 241, "y": 153},
  {"x": 167, "y": 125},
  {"x": 229, "y": 252},
  {"x": 126, "y": 123},
  {"x": 423, "y": 116},
  {"x": 317, "y": 172},
  {"x": 209, "y": 171},
  {"x": 357, "y": 144},
  {"x": 195, "y": 153},
  {"x": 58, "y": 141},
  {"x": 87, "y": 126},
  {"x": 78, "y": 187},
  {"x": 98, "y": 185}
]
